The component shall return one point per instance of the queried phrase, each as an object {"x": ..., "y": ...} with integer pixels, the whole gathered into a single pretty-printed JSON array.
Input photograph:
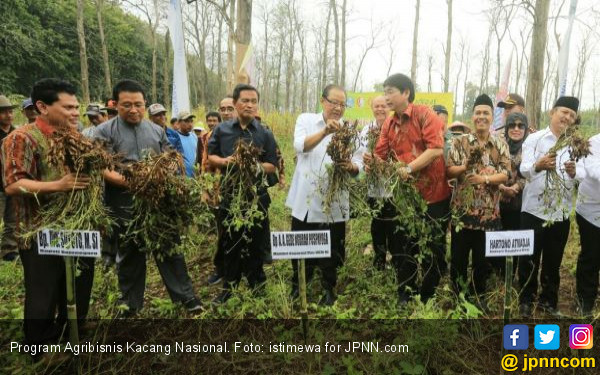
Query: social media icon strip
[
  {"x": 581, "y": 336},
  {"x": 547, "y": 337},
  {"x": 516, "y": 337}
]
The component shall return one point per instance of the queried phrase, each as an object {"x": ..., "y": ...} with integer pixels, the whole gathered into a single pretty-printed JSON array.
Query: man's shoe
[
  {"x": 328, "y": 298},
  {"x": 222, "y": 298},
  {"x": 125, "y": 312},
  {"x": 525, "y": 310},
  {"x": 550, "y": 310},
  {"x": 193, "y": 305},
  {"x": 11, "y": 256},
  {"x": 215, "y": 278}
]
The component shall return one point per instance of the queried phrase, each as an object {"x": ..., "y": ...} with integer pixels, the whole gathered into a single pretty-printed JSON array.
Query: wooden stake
[
  {"x": 302, "y": 290},
  {"x": 508, "y": 282},
  {"x": 71, "y": 304}
]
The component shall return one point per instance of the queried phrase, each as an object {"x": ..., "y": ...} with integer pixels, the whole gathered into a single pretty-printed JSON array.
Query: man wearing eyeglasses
[
  {"x": 312, "y": 135},
  {"x": 132, "y": 136},
  {"x": 227, "y": 112}
]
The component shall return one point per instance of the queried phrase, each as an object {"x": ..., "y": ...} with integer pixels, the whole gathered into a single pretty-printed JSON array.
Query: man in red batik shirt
[{"x": 414, "y": 135}]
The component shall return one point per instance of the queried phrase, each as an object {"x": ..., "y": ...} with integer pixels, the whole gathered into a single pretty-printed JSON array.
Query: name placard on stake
[
  {"x": 509, "y": 243},
  {"x": 301, "y": 245},
  {"x": 73, "y": 243}
]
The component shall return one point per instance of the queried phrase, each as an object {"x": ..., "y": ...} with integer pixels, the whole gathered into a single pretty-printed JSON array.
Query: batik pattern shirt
[
  {"x": 24, "y": 156},
  {"x": 478, "y": 204}
]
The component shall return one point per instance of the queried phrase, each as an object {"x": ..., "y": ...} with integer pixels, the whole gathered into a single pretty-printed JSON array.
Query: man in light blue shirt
[{"x": 189, "y": 141}]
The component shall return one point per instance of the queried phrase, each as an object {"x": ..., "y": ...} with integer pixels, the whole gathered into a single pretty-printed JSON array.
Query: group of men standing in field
[
  {"x": 491, "y": 178},
  {"x": 439, "y": 162}
]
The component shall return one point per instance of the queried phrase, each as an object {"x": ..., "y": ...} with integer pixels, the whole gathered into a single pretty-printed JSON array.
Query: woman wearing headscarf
[{"x": 516, "y": 129}]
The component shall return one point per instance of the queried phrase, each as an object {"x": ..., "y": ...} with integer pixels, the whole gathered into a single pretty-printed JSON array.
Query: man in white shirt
[
  {"x": 550, "y": 221},
  {"x": 382, "y": 228},
  {"x": 588, "y": 221},
  {"x": 312, "y": 134}
]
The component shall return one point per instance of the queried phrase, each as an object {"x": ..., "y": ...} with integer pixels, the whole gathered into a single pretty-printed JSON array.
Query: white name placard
[
  {"x": 509, "y": 243},
  {"x": 301, "y": 245},
  {"x": 76, "y": 243}
]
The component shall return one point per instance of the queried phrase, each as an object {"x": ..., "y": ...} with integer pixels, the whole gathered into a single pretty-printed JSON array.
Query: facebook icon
[{"x": 516, "y": 337}]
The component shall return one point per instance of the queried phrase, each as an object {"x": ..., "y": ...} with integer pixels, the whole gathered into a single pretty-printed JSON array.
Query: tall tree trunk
[
  {"x": 413, "y": 66},
  {"x": 243, "y": 35},
  {"x": 461, "y": 46},
  {"x": 429, "y": 70},
  {"x": 105, "y": 61},
  {"x": 466, "y": 81},
  {"x": 290, "y": 58},
  {"x": 266, "y": 83},
  {"x": 343, "y": 73},
  {"x": 153, "y": 94},
  {"x": 278, "y": 82},
  {"x": 230, "y": 52},
  {"x": 485, "y": 63},
  {"x": 325, "y": 61},
  {"x": 85, "y": 84},
  {"x": 167, "y": 72},
  {"x": 536, "y": 63},
  {"x": 448, "y": 48},
  {"x": 222, "y": 83},
  {"x": 336, "y": 71},
  {"x": 200, "y": 36}
]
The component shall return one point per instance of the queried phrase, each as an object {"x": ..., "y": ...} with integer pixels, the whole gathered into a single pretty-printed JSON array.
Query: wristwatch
[{"x": 487, "y": 180}]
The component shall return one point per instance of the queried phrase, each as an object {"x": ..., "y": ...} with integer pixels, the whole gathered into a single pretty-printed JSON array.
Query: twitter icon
[{"x": 547, "y": 337}]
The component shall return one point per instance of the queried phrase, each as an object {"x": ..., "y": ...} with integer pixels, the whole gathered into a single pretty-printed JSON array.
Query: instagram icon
[{"x": 581, "y": 336}]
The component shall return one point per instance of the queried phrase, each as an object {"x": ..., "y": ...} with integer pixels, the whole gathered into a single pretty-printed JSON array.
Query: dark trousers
[
  {"x": 266, "y": 242},
  {"x": 549, "y": 246},
  {"x": 382, "y": 232},
  {"x": 328, "y": 266},
  {"x": 463, "y": 243},
  {"x": 131, "y": 262},
  {"x": 218, "y": 259},
  {"x": 243, "y": 253},
  {"x": 405, "y": 251},
  {"x": 511, "y": 220},
  {"x": 45, "y": 294},
  {"x": 131, "y": 268},
  {"x": 588, "y": 263}
]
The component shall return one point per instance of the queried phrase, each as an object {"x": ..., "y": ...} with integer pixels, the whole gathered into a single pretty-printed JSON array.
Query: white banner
[
  {"x": 509, "y": 243},
  {"x": 181, "y": 89},
  {"x": 301, "y": 245},
  {"x": 76, "y": 243},
  {"x": 563, "y": 55}
]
